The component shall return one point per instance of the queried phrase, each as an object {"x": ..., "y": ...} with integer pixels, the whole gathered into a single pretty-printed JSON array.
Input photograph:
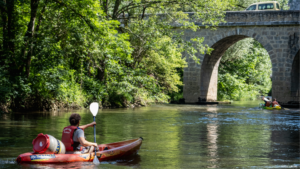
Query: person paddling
[
  {"x": 73, "y": 136},
  {"x": 267, "y": 102},
  {"x": 275, "y": 103}
]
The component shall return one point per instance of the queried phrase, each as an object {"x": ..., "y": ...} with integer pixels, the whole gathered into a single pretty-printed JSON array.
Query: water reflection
[
  {"x": 212, "y": 136},
  {"x": 126, "y": 162},
  {"x": 285, "y": 137},
  {"x": 75, "y": 165},
  {"x": 175, "y": 136}
]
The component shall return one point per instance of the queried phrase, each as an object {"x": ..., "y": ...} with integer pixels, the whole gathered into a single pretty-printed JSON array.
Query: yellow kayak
[{"x": 270, "y": 108}]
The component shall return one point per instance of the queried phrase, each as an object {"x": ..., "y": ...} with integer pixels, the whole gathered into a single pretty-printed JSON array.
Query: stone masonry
[
  {"x": 277, "y": 31},
  {"x": 294, "y": 4}
]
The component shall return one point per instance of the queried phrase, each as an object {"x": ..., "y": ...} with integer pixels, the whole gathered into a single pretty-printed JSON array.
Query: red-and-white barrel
[{"x": 47, "y": 144}]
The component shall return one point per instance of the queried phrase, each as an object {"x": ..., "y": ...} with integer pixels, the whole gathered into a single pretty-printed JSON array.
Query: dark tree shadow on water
[{"x": 131, "y": 161}]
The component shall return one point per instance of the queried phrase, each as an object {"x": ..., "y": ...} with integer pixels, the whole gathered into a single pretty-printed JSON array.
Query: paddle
[{"x": 94, "y": 109}]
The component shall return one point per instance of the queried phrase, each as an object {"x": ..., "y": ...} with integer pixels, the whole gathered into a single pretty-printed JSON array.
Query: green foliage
[
  {"x": 244, "y": 71},
  {"x": 12, "y": 87},
  {"x": 65, "y": 53},
  {"x": 94, "y": 89},
  {"x": 57, "y": 84}
]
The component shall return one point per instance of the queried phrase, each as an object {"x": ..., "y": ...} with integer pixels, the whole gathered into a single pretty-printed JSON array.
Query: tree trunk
[
  {"x": 105, "y": 7},
  {"x": 4, "y": 33},
  {"x": 29, "y": 34},
  {"x": 143, "y": 14},
  {"x": 116, "y": 8},
  {"x": 9, "y": 36},
  {"x": 101, "y": 74},
  {"x": 11, "y": 29},
  {"x": 101, "y": 70}
]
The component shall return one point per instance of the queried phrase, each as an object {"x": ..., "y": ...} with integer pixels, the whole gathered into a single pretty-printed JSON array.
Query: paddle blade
[
  {"x": 96, "y": 161},
  {"x": 94, "y": 108}
]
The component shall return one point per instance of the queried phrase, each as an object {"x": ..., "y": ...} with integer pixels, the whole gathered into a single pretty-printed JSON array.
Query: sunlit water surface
[{"x": 240, "y": 135}]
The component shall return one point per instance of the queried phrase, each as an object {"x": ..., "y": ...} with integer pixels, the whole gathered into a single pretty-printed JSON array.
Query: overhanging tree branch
[{"x": 85, "y": 19}]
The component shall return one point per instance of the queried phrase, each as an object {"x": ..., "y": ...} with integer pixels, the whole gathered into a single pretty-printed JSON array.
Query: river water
[{"x": 240, "y": 135}]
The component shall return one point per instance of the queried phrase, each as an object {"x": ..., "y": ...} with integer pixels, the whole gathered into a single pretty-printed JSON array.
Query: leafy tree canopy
[{"x": 58, "y": 54}]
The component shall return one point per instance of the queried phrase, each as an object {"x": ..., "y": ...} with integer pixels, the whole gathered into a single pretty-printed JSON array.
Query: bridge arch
[
  {"x": 210, "y": 64},
  {"x": 276, "y": 31}
]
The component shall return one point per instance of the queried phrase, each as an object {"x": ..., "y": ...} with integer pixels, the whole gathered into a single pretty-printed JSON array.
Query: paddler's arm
[
  {"x": 86, "y": 143},
  {"x": 87, "y": 125}
]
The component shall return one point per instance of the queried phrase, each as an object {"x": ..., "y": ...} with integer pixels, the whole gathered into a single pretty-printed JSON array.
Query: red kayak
[{"x": 112, "y": 151}]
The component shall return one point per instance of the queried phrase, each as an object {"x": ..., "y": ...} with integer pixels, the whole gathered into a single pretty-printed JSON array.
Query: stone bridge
[{"x": 277, "y": 31}]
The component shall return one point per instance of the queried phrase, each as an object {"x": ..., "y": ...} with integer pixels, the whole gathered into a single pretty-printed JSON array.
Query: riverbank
[{"x": 60, "y": 106}]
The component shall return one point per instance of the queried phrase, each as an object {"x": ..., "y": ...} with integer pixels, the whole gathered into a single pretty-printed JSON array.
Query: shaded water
[{"x": 240, "y": 135}]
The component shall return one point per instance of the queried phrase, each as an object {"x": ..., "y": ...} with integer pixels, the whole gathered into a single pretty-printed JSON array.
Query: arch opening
[{"x": 210, "y": 67}]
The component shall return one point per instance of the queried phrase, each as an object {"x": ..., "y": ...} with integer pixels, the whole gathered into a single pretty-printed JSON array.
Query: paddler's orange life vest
[
  {"x": 268, "y": 103},
  {"x": 67, "y": 138}
]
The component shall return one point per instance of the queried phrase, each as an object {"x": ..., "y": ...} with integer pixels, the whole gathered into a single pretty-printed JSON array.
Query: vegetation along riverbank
[{"x": 66, "y": 54}]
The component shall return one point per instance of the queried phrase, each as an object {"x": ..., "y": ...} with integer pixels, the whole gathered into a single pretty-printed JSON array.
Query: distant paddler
[
  {"x": 275, "y": 103},
  {"x": 268, "y": 103}
]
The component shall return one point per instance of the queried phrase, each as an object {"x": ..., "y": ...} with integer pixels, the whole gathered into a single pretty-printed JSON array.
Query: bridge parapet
[
  {"x": 263, "y": 16},
  {"x": 245, "y": 18}
]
